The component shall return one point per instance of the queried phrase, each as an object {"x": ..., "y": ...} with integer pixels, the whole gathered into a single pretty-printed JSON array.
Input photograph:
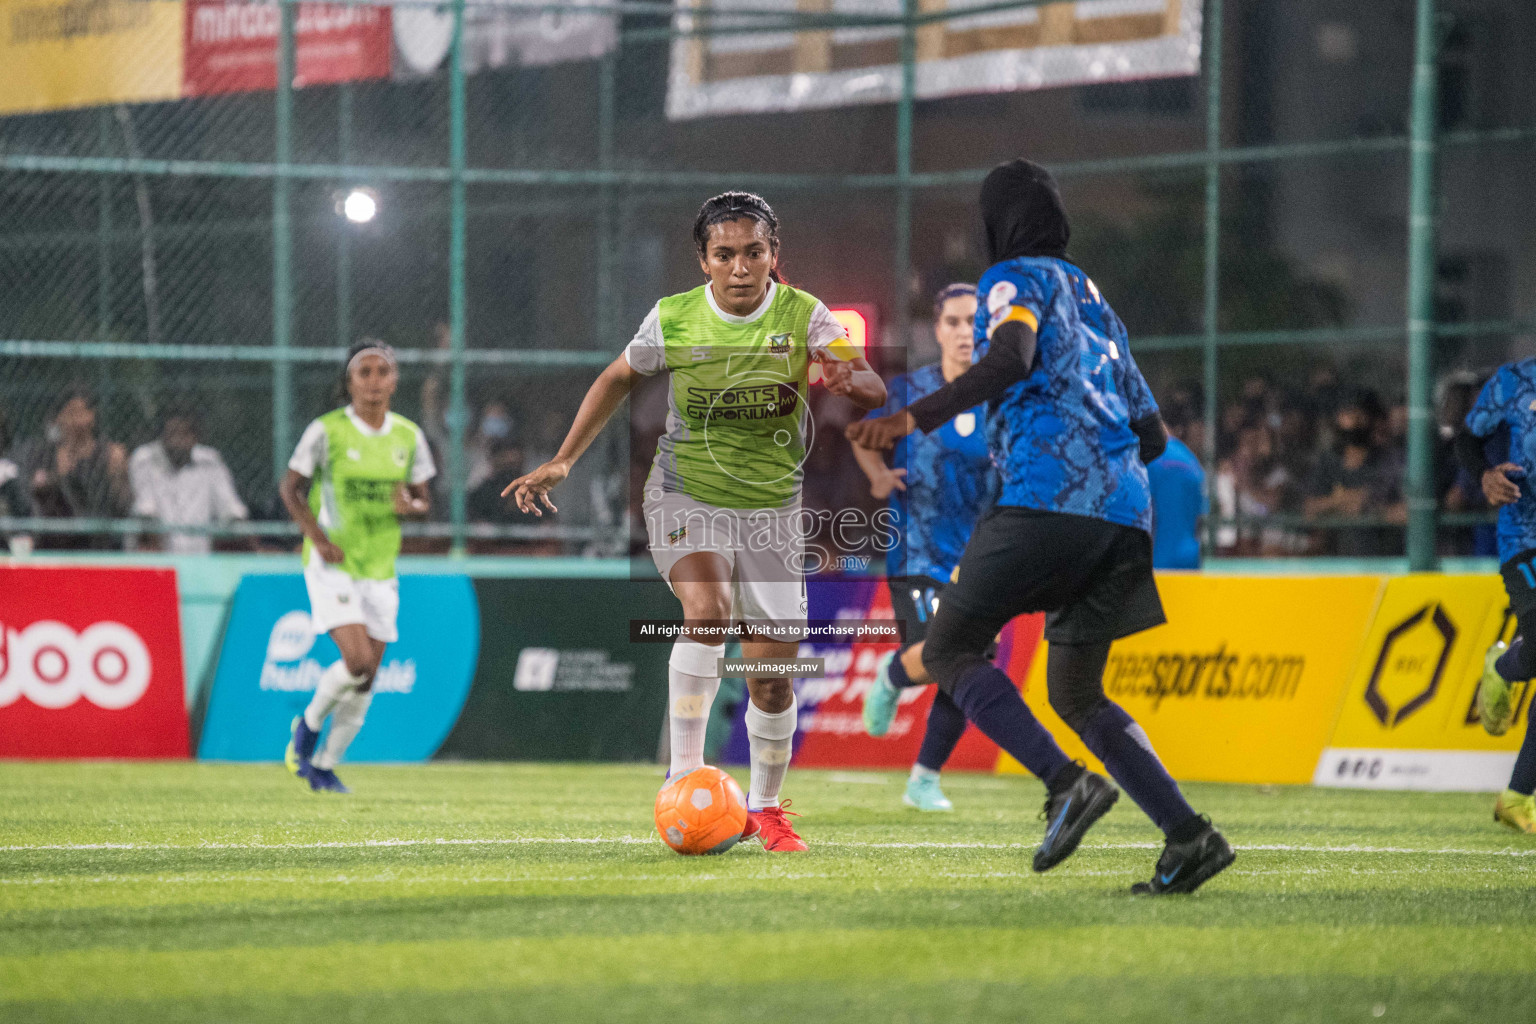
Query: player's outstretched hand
[
  {"x": 407, "y": 504},
  {"x": 838, "y": 376},
  {"x": 531, "y": 488},
  {"x": 891, "y": 480},
  {"x": 882, "y": 432},
  {"x": 1498, "y": 488}
]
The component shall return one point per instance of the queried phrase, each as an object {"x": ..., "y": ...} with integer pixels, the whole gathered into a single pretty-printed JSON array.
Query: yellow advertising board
[
  {"x": 56, "y": 54},
  {"x": 1408, "y": 720},
  {"x": 1244, "y": 682}
]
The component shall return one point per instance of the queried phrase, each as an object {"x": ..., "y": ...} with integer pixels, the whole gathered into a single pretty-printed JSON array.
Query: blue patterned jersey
[
  {"x": 1062, "y": 437},
  {"x": 1508, "y": 403},
  {"x": 950, "y": 482}
]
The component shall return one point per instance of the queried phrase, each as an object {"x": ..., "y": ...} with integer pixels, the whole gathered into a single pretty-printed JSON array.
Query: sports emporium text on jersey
[{"x": 741, "y": 402}]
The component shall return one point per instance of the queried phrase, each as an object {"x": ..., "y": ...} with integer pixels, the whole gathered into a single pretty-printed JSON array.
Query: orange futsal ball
[{"x": 701, "y": 811}]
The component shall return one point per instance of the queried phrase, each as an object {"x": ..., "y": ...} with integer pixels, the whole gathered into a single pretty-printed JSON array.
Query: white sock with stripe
[
  {"x": 335, "y": 683},
  {"x": 345, "y": 723},
  {"x": 771, "y": 739},
  {"x": 692, "y": 681}
]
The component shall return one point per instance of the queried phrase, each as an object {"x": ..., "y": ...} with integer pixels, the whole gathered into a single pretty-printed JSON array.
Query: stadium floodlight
[{"x": 359, "y": 205}]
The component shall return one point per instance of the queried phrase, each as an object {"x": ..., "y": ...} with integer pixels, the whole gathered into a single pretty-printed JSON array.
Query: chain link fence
[{"x": 176, "y": 240}]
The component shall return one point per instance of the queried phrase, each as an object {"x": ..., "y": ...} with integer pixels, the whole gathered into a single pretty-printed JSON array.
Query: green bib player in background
[
  {"x": 722, "y": 502},
  {"x": 355, "y": 472}
]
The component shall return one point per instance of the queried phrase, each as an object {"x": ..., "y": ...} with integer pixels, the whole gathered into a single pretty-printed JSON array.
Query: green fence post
[
  {"x": 608, "y": 242},
  {"x": 344, "y": 239},
  {"x": 458, "y": 412},
  {"x": 282, "y": 249},
  {"x": 104, "y": 230},
  {"x": 1212, "y": 254},
  {"x": 901, "y": 272},
  {"x": 1422, "y": 195},
  {"x": 606, "y": 258}
]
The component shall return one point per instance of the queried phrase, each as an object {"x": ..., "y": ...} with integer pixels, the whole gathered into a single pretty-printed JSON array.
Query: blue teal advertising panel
[{"x": 272, "y": 659}]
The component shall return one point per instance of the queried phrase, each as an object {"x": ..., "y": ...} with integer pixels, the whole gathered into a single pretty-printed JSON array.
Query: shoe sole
[
  {"x": 925, "y": 810},
  {"x": 1491, "y": 726},
  {"x": 1096, "y": 810},
  {"x": 290, "y": 755}
]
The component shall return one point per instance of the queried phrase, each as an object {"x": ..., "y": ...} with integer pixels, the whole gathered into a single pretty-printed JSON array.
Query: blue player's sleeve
[
  {"x": 1013, "y": 293},
  {"x": 1488, "y": 412},
  {"x": 1128, "y": 379}
]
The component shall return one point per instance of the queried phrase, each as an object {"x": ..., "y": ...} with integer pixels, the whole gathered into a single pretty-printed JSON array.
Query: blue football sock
[
  {"x": 1513, "y": 663},
  {"x": 1116, "y": 739},
  {"x": 946, "y": 723},
  {"x": 1523, "y": 778},
  {"x": 897, "y": 673},
  {"x": 989, "y": 699}
]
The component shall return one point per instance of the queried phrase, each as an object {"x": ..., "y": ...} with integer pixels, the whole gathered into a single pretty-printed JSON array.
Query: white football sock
[
  {"x": 335, "y": 682},
  {"x": 919, "y": 772},
  {"x": 771, "y": 739},
  {"x": 348, "y": 719},
  {"x": 692, "y": 681}
]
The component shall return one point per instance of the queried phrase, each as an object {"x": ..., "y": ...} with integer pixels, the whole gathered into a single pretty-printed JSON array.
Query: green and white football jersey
[
  {"x": 737, "y": 420},
  {"x": 355, "y": 471}
]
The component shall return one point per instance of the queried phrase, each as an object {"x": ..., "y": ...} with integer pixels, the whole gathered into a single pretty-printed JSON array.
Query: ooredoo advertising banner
[
  {"x": 232, "y": 47},
  {"x": 1409, "y": 717},
  {"x": 90, "y": 663},
  {"x": 1244, "y": 682},
  {"x": 272, "y": 658}
]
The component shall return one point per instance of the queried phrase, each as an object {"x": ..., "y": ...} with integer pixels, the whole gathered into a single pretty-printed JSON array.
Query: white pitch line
[
  {"x": 252, "y": 878},
  {"x": 652, "y": 841}
]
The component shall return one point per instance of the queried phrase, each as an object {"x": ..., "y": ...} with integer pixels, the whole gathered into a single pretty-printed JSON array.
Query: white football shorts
[
  {"x": 764, "y": 547},
  {"x": 336, "y": 599}
]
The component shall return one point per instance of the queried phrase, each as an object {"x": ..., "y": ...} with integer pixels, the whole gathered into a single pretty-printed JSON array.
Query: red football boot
[{"x": 773, "y": 827}]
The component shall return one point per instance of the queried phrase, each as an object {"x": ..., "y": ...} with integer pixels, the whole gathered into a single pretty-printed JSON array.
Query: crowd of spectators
[
  {"x": 1319, "y": 469},
  {"x": 73, "y": 471},
  {"x": 1313, "y": 468}
]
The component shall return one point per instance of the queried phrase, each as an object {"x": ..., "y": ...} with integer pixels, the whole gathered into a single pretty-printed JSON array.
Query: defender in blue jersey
[
  {"x": 1177, "y": 481},
  {"x": 1503, "y": 420},
  {"x": 937, "y": 486},
  {"x": 1071, "y": 425}
]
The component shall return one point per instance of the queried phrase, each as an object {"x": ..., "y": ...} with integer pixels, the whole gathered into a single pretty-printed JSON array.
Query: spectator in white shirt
[{"x": 178, "y": 482}]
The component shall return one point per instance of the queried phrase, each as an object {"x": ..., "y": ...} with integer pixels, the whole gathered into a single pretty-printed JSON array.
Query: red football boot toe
[{"x": 777, "y": 834}]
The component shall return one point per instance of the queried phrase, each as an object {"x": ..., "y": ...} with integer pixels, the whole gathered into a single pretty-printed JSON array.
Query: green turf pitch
[{"x": 174, "y": 892}]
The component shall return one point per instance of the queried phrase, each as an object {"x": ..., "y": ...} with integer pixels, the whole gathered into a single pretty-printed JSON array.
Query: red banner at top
[{"x": 232, "y": 47}]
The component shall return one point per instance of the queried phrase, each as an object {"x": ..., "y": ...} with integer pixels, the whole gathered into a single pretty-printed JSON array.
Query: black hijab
[{"x": 1022, "y": 212}]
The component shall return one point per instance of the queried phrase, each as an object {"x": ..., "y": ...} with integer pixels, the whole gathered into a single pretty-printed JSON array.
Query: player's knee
[
  {"x": 361, "y": 668},
  {"x": 1076, "y": 707},
  {"x": 711, "y": 608},
  {"x": 772, "y": 696},
  {"x": 945, "y": 663}
]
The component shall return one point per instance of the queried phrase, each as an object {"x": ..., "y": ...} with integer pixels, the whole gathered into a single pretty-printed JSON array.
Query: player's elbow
[{"x": 1152, "y": 437}]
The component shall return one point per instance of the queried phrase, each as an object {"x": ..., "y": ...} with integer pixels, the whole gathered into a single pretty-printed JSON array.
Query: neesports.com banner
[{"x": 90, "y": 663}]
